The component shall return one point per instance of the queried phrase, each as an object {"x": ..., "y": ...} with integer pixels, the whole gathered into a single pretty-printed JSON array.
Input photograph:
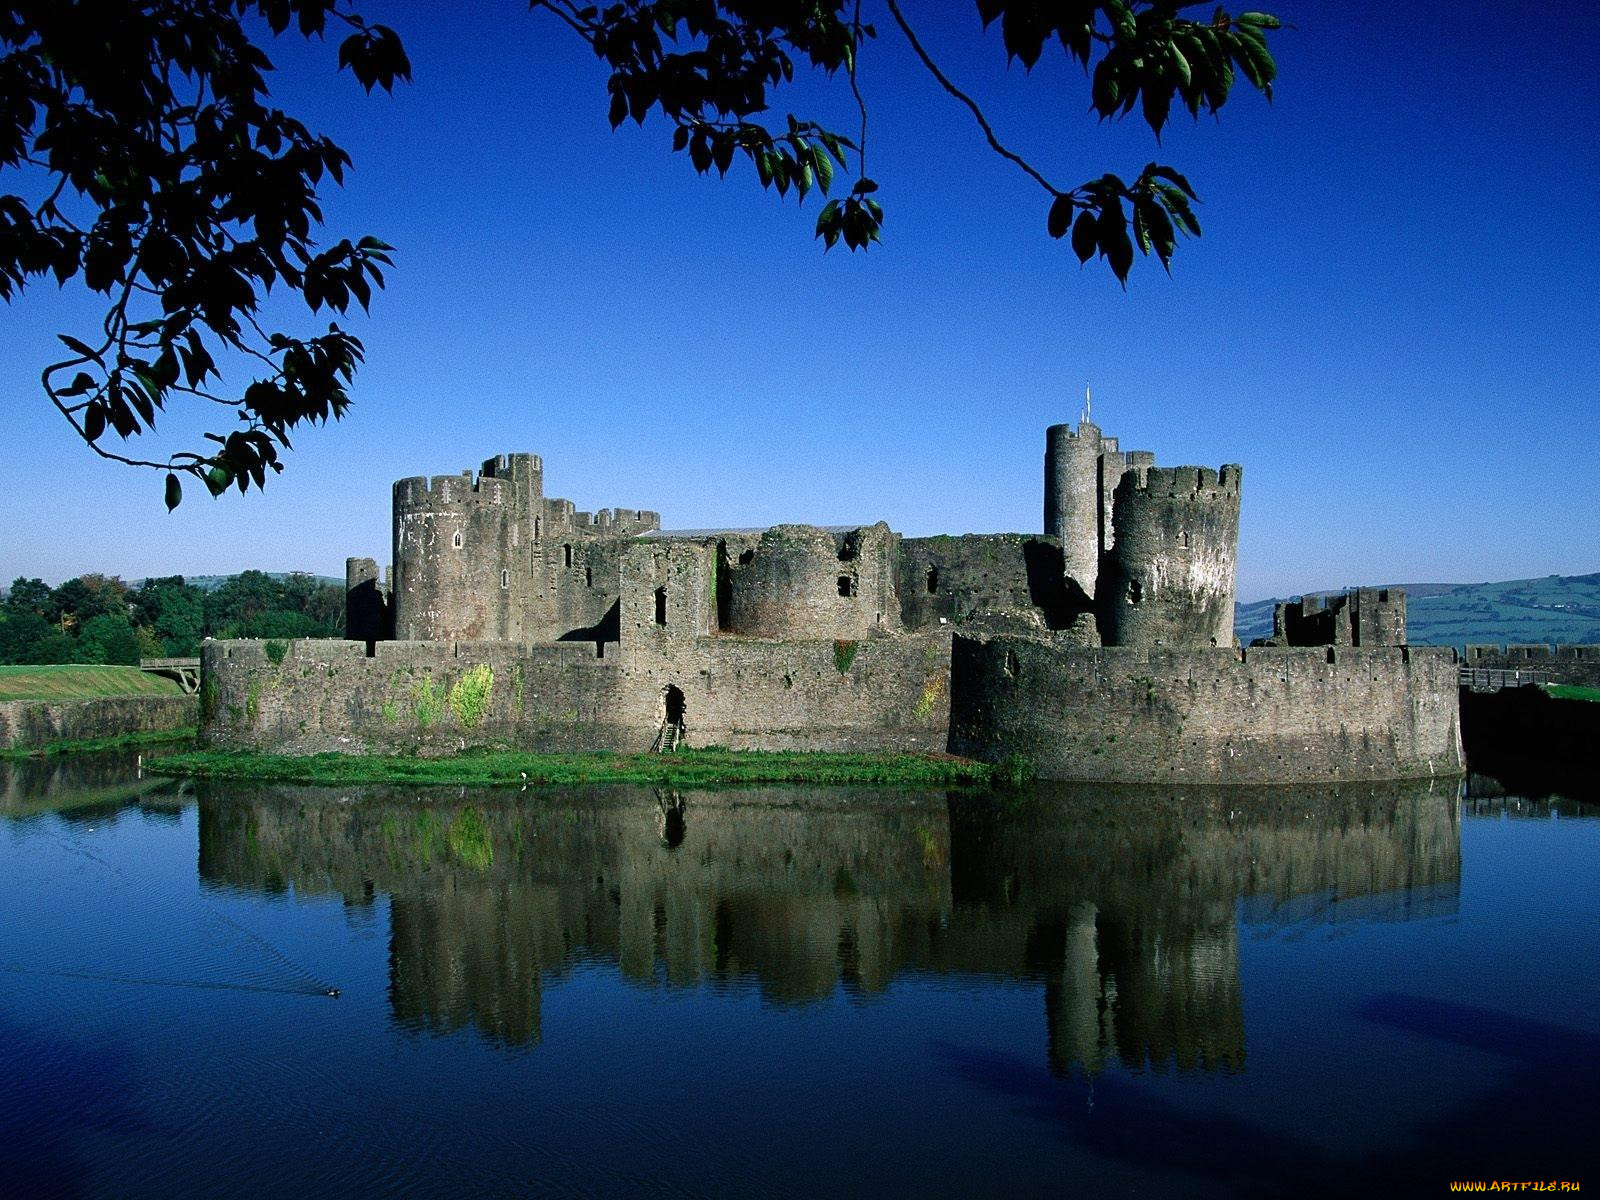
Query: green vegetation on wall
[
  {"x": 426, "y": 702},
  {"x": 844, "y": 653},
  {"x": 469, "y": 695}
]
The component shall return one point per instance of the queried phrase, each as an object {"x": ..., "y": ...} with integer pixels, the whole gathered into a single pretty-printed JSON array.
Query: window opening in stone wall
[
  {"x": 1135, "y": 591},
  {"x": 1185, "y": 539},
  {"x": 505, "y": 578},
  {"x": 456, "y": 540},
  {"x": 722, "y": 586},
  {"x": 672, "y": 698},
  {"x": 847, "y": 585},
  {"x": 538, "y": 527},
  {"x": 567, "y": 551},
  {"x": 746, "y": 558},
  {"x": 588, "y": 577},
  {"x": 661, "y": 606},
  {"x": 933, "y": 581}
]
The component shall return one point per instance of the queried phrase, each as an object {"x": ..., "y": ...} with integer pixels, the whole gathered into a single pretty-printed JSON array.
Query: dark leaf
[
  {"x": 1060, "y": 218},
  {"x": 1084, "y": 238}
]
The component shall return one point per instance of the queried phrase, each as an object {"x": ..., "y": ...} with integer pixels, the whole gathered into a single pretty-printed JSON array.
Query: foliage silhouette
[{"x": 159, "y": 176}]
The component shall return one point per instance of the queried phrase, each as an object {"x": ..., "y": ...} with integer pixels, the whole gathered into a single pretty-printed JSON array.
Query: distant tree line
[{"x": 100, "y": 619}]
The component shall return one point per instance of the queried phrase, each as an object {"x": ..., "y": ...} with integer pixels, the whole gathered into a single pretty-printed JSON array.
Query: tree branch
[{"x": 983, "y": 122}]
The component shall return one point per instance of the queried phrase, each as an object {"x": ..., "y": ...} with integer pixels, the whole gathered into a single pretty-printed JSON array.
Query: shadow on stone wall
[{"x": 1123, "y": 904}]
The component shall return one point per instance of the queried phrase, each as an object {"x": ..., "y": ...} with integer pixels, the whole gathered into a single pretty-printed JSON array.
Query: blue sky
[{"x": 1392, "y": 320}]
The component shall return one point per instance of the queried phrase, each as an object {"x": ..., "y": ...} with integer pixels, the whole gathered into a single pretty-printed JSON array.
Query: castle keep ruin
[{"x": 1102, "y": 649}]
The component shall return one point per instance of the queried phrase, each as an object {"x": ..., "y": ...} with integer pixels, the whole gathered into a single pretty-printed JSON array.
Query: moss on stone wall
[
  {"x": 469, "y": 695},
  {"x": 844, "y": 653},
  {"x": 932, "y": 690},
  {"x": 427, "y": 704}
]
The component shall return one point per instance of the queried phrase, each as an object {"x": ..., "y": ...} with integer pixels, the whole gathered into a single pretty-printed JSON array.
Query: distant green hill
[{"x": 1556, "y": 608}]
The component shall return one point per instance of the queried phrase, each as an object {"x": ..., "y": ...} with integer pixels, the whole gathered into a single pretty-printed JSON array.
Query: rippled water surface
[{"x": 228, "y": 991}]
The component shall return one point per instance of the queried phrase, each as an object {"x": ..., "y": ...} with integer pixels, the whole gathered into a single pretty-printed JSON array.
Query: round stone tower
[
  {"x": 1170, "y": 579},
  {"x": 803, "y": 582},
  {"x": 461, "y": 550},
  {"x": 1072, "y": 498}
]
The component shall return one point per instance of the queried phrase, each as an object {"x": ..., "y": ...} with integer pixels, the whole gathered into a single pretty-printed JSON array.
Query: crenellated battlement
[
  {"x": 1196, "y": 483},
  {"x": 462, "y": 491},
  {"x": 627, "y": 521}
]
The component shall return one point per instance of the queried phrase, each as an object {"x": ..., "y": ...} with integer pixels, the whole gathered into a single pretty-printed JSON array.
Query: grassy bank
[
  {"x": 121, "y": 741},
  {"x": 82, "y": 683},
  {"x": 1564, "y": 691},
  {"x": 686, "y": 768}
]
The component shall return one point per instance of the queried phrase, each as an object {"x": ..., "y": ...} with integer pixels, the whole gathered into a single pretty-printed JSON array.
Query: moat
[{"x": 632, "y": 991}]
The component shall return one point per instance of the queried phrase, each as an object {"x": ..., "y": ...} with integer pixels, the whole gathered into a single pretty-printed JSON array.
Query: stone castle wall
[
  {"x": 1574, "y": 665},
  {"x": 1232, "y": 716},
  {"x": 313, "y": 696},
  {"x": 32, "y": 724}
]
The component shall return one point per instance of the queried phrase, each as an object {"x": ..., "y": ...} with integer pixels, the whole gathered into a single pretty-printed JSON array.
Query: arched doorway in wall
[{"x": 672, "y": 706}]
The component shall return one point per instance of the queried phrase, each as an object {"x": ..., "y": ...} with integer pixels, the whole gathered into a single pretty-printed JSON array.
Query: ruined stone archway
[{"x": 673, "y": 704}]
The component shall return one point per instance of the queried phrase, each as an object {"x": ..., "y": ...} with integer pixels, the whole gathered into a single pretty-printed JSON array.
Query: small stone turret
[
  {"x": 366, "y": 603},
  {"x": 1363, "y": 617}
]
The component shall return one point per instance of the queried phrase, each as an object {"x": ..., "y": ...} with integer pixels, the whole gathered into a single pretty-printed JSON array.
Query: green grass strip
[
  {"x": 502, "y": 768},
  {"x": 81, "y": 683},
  {"x": 1567, "y": 691},
  {"x": 121, "y": 741}
]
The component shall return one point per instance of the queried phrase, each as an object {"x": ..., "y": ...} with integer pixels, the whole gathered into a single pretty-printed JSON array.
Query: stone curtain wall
[
  {"x": 308, "y": 697},
  {"x": 1228, "y": 716},
  {"x": 1576, "y": 666},
  {"x": 1264, "y": 715},
  {"x": 27, "y": 724},
  {"x": 879, "y": 694}
]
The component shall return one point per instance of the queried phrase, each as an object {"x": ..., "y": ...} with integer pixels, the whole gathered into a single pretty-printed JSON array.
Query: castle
[{"x": 1102, "y": 649}]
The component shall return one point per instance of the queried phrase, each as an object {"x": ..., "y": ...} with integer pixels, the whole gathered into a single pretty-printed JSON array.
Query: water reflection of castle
[{"x": 1126, "y": 906}]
